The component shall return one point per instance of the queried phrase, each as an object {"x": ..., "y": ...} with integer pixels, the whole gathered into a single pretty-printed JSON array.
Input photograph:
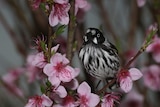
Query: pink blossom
[
  {"x": 59, "y": 13},
  {"x": 154, "y": 48},
  {"x": 58, "y": 70},
  {"x": 10, "y": 80},
  {"x": 39, "y": 101},
  {"x": 81, "y": 4},
  {"x": 126, "y": 78},
  {"x": 39, "y": 60},
  {"x": 132, "y": 99},
  {"x": 110, "y": 99},
  {"x": 86, "y": 98},
  {"x": 141, "y": 3},
  {"x": 152, "y": 77}
]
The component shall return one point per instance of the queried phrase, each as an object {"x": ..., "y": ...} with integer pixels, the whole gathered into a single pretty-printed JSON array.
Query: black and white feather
[{"x": 99, "y": 57}]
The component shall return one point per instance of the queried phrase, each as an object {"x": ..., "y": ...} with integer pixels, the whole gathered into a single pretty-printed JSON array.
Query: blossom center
[
  {"x": 38, "y": 100},
  {"x": 123, "y": 74},
  {"x": 68, "y": 100},
  {"x": 59, "y": 66},
  {"x": 84, "y": 100}
]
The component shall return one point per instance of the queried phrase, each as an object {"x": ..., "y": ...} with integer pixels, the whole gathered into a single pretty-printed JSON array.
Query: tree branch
[{"x": 71, "y": 30}]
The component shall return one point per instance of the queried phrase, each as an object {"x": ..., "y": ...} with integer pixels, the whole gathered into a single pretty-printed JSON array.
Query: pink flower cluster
[
  {"x": 61, "y": 76},
  {"x": 59, "y": 71}
]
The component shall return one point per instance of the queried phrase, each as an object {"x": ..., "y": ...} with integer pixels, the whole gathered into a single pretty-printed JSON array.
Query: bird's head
[{"x": 93, "y": 35}]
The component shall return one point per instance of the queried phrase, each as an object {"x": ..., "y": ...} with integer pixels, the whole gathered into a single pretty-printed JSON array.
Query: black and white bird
[{"x": 98, "y": 56}]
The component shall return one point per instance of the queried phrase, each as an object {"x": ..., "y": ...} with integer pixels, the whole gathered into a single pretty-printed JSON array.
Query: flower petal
[
  {"x": 64, "y": 20},
  {"x": 73, "y": 84},
  {"x": 84, "y": 89},
  {"x": 55, "y": 48},
  {"x": 53, "y": 19},
  {"x": 46, "y": 101},
  {"x": 150, "y": 48},
  {"x": 65, "y": 75},
  {"x": 48, "y": 70},
  {"x": 39, "y": 60},
  {"x": 57, "y": 58},
  {"x": 93, "y": 100},
  {"x": 156, "y": 57},
  {"x": 135, "y": 74},
  {"x": 54, "y": 80},
  {"x": 126, "y": 84},
  {"x": 61, "y": 91},
  {"x": 81, "y": 3}
]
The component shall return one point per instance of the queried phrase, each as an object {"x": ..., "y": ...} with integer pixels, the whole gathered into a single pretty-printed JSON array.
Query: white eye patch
[
  {"x": 93, "y": 32},
  {"x": 88, "y": 30}
]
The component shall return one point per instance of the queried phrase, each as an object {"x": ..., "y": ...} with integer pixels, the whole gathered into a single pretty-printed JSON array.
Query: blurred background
[{"x": 124, "y": 22}]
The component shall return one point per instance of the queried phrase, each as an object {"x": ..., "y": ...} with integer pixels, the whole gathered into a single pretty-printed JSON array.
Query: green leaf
[
  {"x": 150, "y": 36},
  {"x": 60, "y": 29},
  {"x": 42, "y": 6},
  {"x": 43, "y": 45},
  {"x": 48, "y": 84},
  {"x": 42, "y": 89}
]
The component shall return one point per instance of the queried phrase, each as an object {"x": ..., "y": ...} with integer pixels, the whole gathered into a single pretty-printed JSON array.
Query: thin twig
[
  {"x": 49, "y": 42},
  {"x": 132, "y": 59}
]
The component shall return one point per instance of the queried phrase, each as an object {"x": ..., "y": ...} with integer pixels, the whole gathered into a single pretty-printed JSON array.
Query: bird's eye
[{"x": 98, "y": 35}]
